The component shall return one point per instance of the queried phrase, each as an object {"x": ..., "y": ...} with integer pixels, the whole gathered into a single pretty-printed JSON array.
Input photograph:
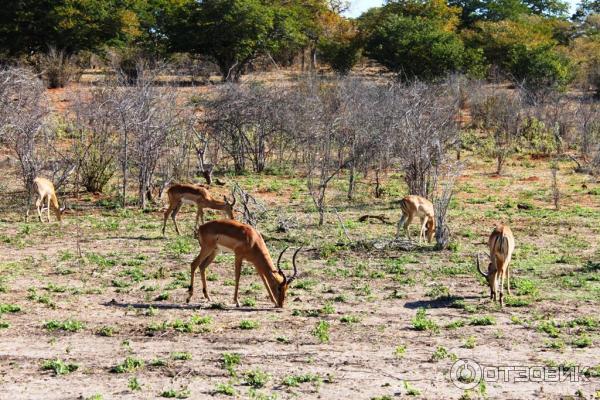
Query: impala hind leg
[
  {"x": 38, "y": 206},
  {"x": 407, "y": 224},
  {"x": 203, "y": 267},
  {"x": 501, "y": 295},
  {"x": 174, "y": 216},
  {"x": 166, "y": 216},
  {"x": 494, "y": 286},
  {"x": 48, "y": 210},
  {"x": 506, "y": 267},
  {"x": 401, "y": 223},
  {"x": 238, "y": 272},
  {"x": 200, "y": 261}
]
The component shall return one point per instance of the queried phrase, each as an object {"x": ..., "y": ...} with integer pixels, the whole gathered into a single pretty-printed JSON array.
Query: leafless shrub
[
  {"x": 501, "y": 115},
  {"x": 441, "y": 200},
  {"x": 93, "y": 123},
  {"x": 246, "y": 120},
  {"x": 588, "y": 128},
  {"x": 317, "y": 121},
  {"x": 57, "y": 68},
  {"x": 363, "y": 116},
  {"x": 143, "y": 116},
  {"x": 421, "y": 119},
  {"x": 252, "y": 210},
  {"x": 23, "y": 112}
]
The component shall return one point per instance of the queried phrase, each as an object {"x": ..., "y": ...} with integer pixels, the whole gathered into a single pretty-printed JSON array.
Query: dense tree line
[{"x": 532, "y": 42}]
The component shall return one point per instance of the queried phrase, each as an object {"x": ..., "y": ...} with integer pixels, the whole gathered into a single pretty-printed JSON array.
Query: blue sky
[{"x": 357, "y": 7}]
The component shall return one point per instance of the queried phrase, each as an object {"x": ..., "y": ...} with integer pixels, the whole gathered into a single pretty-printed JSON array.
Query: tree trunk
[
  {"x": 125, "y": 162},
  {"x": 377, "y": 183},
  {"x": 351, "y": 182}
]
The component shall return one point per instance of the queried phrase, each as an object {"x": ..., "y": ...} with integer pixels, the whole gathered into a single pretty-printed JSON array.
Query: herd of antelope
[{"x": 248, "y": 244}]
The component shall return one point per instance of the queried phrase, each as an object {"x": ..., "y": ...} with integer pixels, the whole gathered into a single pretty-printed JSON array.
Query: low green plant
[
  {"x": 181, "y": 355},
  {"x": 59, "y": 367},
  {"x": 482, "y": 321},
  {"x": 296, "y": 380},
  {"x": 69, "y": 325},
  {"x": 321, "y": 331},
  {"x": 176, "y": 394},
  {"x": 225, "y": 388},
  {"x": 130, "y": 364},
  {"x": 411, "y": 390},
  {"x": 470, "y": 343},
  {"x": 248, "y": 324},
  {"x": 350, "y": 319},
  {"x": 400, "y": 351},
  {"x": 421, "y": 323},
  {"x": 256, "y": 378},
  {"x": 583, "y": 341},
  {"x": 106, "y": 331},
  {"x": 134, "y": 384},
  {"x": 230, "y": 361}
]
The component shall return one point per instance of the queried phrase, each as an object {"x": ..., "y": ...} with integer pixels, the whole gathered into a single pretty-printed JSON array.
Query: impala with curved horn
[
  {"x": 194, "y": 194},
  {"x": 502, "y": 245},
  {"x": 247, "y": 244},
  {"x": 47, "y": 195}
]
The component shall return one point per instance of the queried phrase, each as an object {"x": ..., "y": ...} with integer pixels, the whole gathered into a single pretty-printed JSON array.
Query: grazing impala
[
  {"x": 247, "y": 244},
  {"x": 46, "y": 195},
  {"x": 502, "y": 245},
  {"x": 416, "y": 206},
  {"x": 194, "y": 194}
]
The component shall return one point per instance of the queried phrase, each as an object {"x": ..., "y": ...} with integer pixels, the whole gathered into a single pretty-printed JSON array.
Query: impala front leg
[
  {"x": 238, "y": 272},
  {"x": 268, "y": 288},
  {"x": 423, "y": 226}
]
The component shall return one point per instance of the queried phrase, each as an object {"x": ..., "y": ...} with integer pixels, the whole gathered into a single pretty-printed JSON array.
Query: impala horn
[
  {"x": 278, "y": 267},
  {"x": 479, "y": 267},
  {"x": 294, "y": 263}
]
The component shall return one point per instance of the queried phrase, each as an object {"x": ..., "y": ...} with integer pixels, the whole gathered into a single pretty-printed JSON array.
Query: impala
[
  {"x": 247, "y": 244},
  {"x": 47, "y": 195},
  {"x": 416, "y": 206},
  {"x": 502, "y": 245},
  {"x": 194, "y": 194}
]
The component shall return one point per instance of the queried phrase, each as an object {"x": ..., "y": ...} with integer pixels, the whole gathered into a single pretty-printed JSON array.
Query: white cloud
[{"x": 358, "y": 7}]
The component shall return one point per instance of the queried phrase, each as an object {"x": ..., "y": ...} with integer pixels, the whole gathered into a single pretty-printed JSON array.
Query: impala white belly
[
  {"x": 224, "y": 249},
  {"x": 187, "y": 201}
]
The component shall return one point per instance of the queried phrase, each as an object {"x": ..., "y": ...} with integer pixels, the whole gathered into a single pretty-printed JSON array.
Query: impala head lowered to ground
[{"x": 248, "y": 245}]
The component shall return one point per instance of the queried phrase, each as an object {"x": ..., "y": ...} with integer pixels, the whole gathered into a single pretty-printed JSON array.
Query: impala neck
[
  {"x": 217, "y": 204},
  {"x": 271, "y": 274}
]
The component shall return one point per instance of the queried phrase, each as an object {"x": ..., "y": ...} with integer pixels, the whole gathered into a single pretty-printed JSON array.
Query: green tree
[
  {"x": 497, "y": 39},
  {"x": 30, "y": 26},
  {"x": 497, "y": 10},
  {"x": 540, "y": 68},
  {"x": 231, "y": 32},
  {"x": 341, "y": 48},
  {"x": 415, "y": 47}
]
